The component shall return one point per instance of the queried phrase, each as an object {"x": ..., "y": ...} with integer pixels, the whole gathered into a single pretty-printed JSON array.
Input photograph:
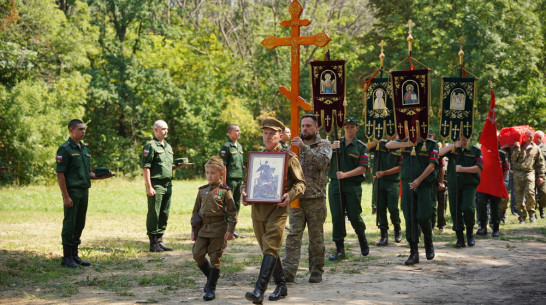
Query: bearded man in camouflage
[{"x": 315, "y": 155}]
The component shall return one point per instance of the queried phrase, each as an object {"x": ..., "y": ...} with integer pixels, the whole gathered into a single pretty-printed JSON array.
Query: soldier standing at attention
[
  {"x": 285, "y": 138},
  {"x": 268, "y": 220},
  {"x": 157, "y": 169},
  {"x": 390, "y": 163},
  {"x": 353, "y": 160},
  {"x": 315, "y": 155},
  {"x": 463, "y": 176},
  {"x": 418, "y": 176},
  {"x": 541, "y": 189},
  {"x": 210, "y": 231},
  {"x": 232, "y": 155},
  {"x": 74, "y": 178},
  {"x": 528, "y": 168}
]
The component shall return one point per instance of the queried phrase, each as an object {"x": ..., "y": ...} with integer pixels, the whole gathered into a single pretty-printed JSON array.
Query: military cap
[
  {"x": 273, "y": 124},
  {"x": 215, "y": 160},
  {"x": 350, "y": 120},
  {"x": 178, "y": 161},
  {"x": 431, "y": 131}
]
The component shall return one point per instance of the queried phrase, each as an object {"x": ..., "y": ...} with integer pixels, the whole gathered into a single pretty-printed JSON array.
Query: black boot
[
  {"x": 397, "y": 233},
  {"x": 257, "y": 295},
  {"x": 77, "y": 259},
  {"x": 340, "y": 251},
  {"x": 278, "y": 276},
  {"x": 364, "y": 248},
  {"x": 160, "y": 243},
  {"x": 67, "y": 260},
  {"x": 541, "y": 210},
  {"x": 482, "y": 230},
  {"x": 154, "y": 246},
  {"x": 205, "y": 268},
  {"x": 470, "y": 237},
  {"x": 210, "y": 288},
  {"x": 384, "y": 238},
  {"x": 414, "y": 255},
  {"x": 495, "y": 232},
  {"x": 429, "y": 248},
  {"x": 460, "y": 239}
]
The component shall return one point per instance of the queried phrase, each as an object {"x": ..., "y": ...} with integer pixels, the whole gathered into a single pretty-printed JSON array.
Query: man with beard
[{"x": 315, "y": 155}]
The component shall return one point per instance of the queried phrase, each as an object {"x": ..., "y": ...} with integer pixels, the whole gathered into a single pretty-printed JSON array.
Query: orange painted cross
[{"x": 295, "y": 41}]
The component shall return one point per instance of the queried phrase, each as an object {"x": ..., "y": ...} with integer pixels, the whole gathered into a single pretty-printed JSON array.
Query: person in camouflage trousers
[
  {"x": 541, "y": 189},
  {"x": 528, "y": 173},
  {"x": 315, "y": 155}
]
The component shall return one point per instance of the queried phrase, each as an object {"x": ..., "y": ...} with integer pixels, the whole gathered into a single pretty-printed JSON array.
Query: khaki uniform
[
  {"x": 269, "y": 219},
  {"x": 75, "y": 162},
  {"x": 423, "y": 194},
  {"x": 528, "y": 165},
  {"x": 214, "y": 203},
  {"x": 386, "y": 159},
  {"x": 232, "y": 155},
  {"x": 159, "y": 159},
  {"x": 314, "y": 160}
]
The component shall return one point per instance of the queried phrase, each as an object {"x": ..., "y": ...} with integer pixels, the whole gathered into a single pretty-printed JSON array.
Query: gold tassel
[{"x": 413, "y": 151}]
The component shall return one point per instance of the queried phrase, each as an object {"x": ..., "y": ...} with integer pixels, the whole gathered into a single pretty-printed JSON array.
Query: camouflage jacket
[
  {"x": 528, "y": 159},
  {"x": 315, "y": 162}
]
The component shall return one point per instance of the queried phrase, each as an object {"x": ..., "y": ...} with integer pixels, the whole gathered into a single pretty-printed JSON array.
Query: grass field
[{"x": 115, "y": 241}]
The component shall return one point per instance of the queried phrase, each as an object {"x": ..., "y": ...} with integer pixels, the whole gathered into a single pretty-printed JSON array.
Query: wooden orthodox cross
[{"x": 295, "y": 41}]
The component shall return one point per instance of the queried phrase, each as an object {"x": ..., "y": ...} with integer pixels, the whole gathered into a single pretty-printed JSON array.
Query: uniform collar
[
  {"x": 231, "y": 142},
  {"x": 159, "y": 142},
  {"x": 317, "y": 140},
  {"x": 352, "y": 142},
  {"x": 74, "y": 145}
]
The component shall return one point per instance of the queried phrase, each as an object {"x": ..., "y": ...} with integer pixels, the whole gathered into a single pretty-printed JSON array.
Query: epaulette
[
  {"x": 65, "y": 144},
  {"x": 151, "y": 142},
  {"x": 225, "y": 187},
  {"x": 204, "y": 186},
  {"x": 361, "y": 142},
  {"x": 475, "y": 146}
]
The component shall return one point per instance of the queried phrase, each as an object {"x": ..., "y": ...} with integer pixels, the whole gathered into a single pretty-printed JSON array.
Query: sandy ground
[{"x": 493, "y": 272}]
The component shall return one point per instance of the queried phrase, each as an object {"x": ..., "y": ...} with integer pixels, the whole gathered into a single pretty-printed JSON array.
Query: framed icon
[{"x": 266, "y": 177}]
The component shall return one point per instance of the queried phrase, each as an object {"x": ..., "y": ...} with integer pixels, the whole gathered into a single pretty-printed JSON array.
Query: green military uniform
[
  {"x": 462, "y": 199},
  {"x": 158, "y": 158},
  {"x": 232, "y": 155},
  {"x": 351, "y": 156},
  {"x": 528, "y": 166},
  {"x": 75, "y": 162},
  {"x": 314, "y": 160},
  {"x": 495, "y": 203},
  {"x": 386, "y": 159},
  {"x": 269, "y": 219},
  {"x": 284, "y": 145},
  {"x": 439, "y": 197},
  {"x": 541, "y": 189},
  {"x": 213, "y": 203},
  {"x": 423, "y": 194}
]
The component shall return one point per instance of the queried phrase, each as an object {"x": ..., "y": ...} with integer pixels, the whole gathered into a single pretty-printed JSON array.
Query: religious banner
[
  {"x": 457, "y": 112},
  {"x": 328, "y": 92},
  {"x": 411, "y": 96},
  {"x": 379, "y": 109}
]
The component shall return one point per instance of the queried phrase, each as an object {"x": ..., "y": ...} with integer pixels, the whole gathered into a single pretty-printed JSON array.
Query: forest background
[{"x": 199, "y": 65}]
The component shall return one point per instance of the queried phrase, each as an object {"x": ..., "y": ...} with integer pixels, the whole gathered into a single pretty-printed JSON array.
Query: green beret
[
  {"x": 350, "y": 120},
  {"x": 178, "y": 161},
  {"x": 215, "y": 160},
  {"x": 273, "y": 124}
]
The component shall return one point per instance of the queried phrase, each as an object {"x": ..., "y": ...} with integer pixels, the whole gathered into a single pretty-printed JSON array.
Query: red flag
[{"x": 492, "y": 182}]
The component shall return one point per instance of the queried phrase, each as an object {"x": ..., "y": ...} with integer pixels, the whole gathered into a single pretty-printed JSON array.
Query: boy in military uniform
[
  {"x": 214, "y": 203},
  {"x": 232, "y": 155},
  {"x": 353, "y": 160},
  {"x": 463, "y": 176},
  {"x": 388, "y": 164},
  {"x": 419, "y": 171},
  {"x": 269, "y": 220},
  {"x": 74, "y": 178},
  {"x": 157, "y": 170},
  {"x": 494, "y": 202}
]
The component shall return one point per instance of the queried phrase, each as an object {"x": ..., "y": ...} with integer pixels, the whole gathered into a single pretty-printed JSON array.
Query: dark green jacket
[
  {"x": 232, "y": 154},
  {"x": 158, "y": 158},
  {"x": 351, "y": 156},
  {"x": 388, "y": 158},
  {"x": 75, "y": 162},
  {"x": 468, "y": 157},
  {"x": 422, "y": 158}
]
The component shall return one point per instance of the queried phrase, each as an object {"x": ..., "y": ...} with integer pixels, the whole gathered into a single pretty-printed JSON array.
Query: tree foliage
[{"x": 199, "y": 65}]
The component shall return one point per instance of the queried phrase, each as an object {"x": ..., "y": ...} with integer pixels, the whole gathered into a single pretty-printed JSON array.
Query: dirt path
[{"x": 494, "y": 271}]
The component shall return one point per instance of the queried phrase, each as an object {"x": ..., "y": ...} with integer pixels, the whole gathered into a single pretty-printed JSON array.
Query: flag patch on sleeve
[
  {"x": 59, "y": 159},
  {"x": 146, "y": 153},
  {"x": 223, "y": 153}
]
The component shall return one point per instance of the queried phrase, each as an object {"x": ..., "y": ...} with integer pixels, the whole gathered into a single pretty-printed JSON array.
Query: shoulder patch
[
  {"x": 225, "y": 187},
  {"x": 65, "y": 144},
  {"x": 204, "y": 186},
  {"x": 361, "y": 142}
]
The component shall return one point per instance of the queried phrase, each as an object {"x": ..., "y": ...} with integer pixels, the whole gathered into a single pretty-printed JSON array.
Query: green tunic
[{"x": 232, "y": 155}]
